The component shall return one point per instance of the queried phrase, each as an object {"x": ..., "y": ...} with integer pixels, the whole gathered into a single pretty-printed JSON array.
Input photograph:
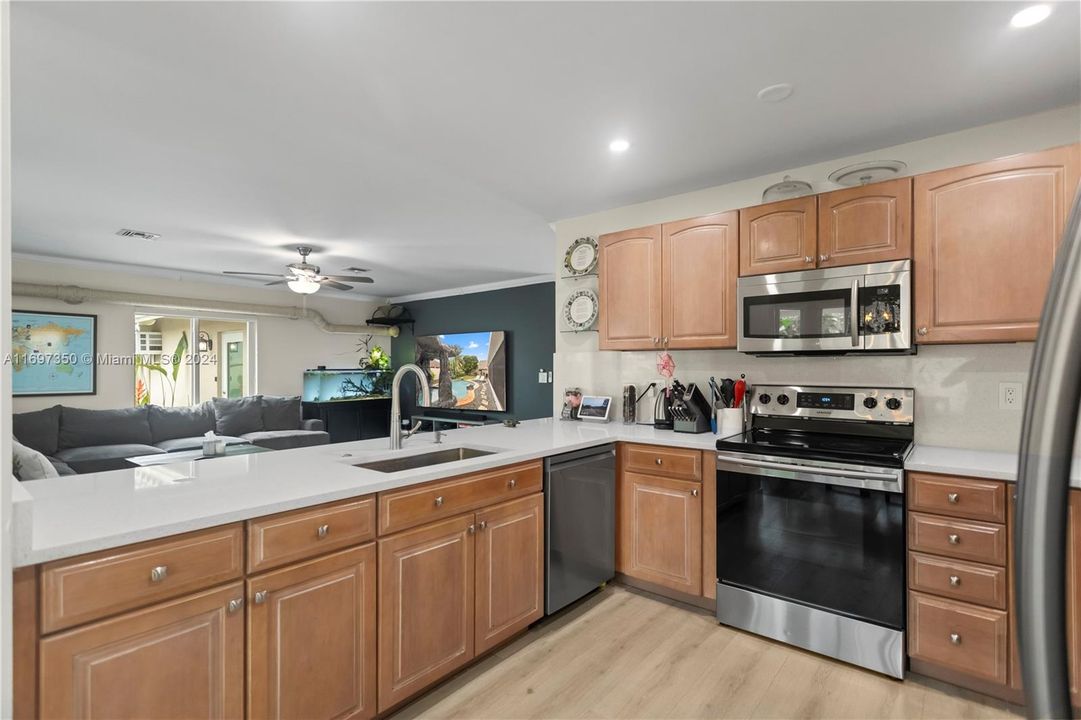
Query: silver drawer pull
[
  {"x": 823, "y": 258},
  {"x": 952, "y": 498},
  {"x": 955, "y": 638},
  {"x": 513, "y": 483},
  {"x": 808, "y": 258},
  {"x": 159, "y": 573},
  {"x": 694, "y": 493},
  {"x": 922, "y": 331},
  {"x": 472, "y": 529},
  {"x": 659, "y": 461},
  {"x": 483, "y": 524},
  {"x": 323, "y": 531},
  {"x": 955, "y": 581},
  {"x": 261, "y": 596},
  {"x": 954, "y": 539},
  {"x": 235, "y": 605},
  {"x": 439, "y": 501}
]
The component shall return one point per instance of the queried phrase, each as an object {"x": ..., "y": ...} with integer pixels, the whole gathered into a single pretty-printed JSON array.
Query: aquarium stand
[{"x": 349, "y": 420}]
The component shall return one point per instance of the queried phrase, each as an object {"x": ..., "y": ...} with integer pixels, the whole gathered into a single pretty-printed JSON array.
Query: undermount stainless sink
[{"x": 411, "y": 462}]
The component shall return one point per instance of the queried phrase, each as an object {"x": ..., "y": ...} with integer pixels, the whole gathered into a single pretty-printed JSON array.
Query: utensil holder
[{"x": 729, "y": 422}]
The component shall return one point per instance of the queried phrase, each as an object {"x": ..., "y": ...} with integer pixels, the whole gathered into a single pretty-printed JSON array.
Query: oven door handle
[
  {"x": 850, "y": 478},
  {"x": 855, "y": 312}
]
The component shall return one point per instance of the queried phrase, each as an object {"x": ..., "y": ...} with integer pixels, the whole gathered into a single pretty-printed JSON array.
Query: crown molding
[{"x": 470, "y": 289}]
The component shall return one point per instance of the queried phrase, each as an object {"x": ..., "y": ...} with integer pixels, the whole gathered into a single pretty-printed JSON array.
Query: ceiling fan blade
[
  {"x": 355, "y": 269},
  {"x": 334, "y": 284},
  {"x": 277, "y": 282},
  {"x": 235, "y": 272},
  {"x": 349, "y": 278}
]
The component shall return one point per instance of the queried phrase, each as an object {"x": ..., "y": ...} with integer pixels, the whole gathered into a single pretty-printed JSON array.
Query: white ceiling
[{"x": 433, "y": 143}]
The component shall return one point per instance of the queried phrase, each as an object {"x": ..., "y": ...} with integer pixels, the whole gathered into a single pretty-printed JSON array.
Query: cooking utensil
[{"x": 740, "y": 390}]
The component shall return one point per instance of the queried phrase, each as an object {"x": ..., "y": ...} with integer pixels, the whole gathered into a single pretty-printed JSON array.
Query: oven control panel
[{"x": 889, "y": 405}]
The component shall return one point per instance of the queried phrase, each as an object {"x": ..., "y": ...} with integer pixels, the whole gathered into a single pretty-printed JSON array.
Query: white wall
[
  {"x": 285, "y": 348},
  {"x": 956, "y": 385}
]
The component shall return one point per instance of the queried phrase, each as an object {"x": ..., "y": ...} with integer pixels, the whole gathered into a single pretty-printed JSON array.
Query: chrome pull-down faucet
[{"x": 396, "y": 432}]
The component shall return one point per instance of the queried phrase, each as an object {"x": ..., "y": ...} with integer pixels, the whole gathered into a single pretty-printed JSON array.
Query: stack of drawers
[{"x": 958, "y": 603}]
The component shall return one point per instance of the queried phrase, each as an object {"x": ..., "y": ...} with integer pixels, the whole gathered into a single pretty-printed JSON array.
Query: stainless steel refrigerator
[{"x": 1047, "y": 444}]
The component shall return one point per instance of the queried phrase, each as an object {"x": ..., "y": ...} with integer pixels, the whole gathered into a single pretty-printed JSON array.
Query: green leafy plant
[{"x": 145, "y": 371}]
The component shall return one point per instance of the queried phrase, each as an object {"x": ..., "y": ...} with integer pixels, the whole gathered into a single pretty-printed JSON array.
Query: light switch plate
[
  {"x": 1011, "y": 396},
  {"x": 542, "y": 377}
]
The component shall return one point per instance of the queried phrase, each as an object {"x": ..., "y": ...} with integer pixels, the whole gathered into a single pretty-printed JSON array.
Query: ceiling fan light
[{"x": 303, "y": 286}]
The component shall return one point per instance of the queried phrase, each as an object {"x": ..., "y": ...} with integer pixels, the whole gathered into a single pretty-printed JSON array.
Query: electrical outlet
[
  {"x": 1011, "y": 395},
  {"x": 542, "y": 376}
]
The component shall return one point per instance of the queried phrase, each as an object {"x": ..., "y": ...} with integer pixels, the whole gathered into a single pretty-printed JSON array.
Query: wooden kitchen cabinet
[
  {"x": 865, "y": 224},
  {"x": 509, "y": 570},
  {"x": 178, "y": 659},
  {"x": 700, "y": 263},
  {"x": 660, "y": 531},
  {"x": 630, "y": 289},
  {"x": 426, "y": 606},
  {"x": 311, "y": 638},
  {"x": 985, "y": 238},
  {"x": 778, "y": 237}
]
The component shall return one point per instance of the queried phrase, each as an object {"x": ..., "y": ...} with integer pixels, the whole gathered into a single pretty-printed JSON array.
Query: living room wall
[
  {"x": 284, "y": 347},
  {"x": 524, "y": 313}
]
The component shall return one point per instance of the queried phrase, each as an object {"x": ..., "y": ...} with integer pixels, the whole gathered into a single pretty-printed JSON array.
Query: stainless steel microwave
[{"x": 858, "y": 308}]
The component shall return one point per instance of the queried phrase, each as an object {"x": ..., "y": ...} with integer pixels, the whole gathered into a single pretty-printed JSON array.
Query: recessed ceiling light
[
  {"x": 1030, "y": 16},
  {"x": 775, "y": 93},
  {"x": 619, "y": 145}
]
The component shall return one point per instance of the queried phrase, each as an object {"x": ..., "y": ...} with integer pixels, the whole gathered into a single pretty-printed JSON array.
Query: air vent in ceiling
[{"x": 141, "y": 234}]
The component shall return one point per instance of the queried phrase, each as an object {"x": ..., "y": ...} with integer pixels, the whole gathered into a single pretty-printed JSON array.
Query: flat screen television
[{"x": 466, "y": 371}]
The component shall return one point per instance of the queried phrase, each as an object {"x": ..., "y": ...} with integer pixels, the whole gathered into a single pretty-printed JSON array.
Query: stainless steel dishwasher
[{"x": 580, "y": 524}]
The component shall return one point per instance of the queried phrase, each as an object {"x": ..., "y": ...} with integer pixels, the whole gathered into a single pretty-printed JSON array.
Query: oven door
[
  {"x": 799, "y": 315},
  {"x": 829, "y": 538}
]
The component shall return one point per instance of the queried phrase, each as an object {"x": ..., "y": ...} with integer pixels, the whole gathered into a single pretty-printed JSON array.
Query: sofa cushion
[
  {"x": 99, "y": 458},
  {"x": 80, "y": 428},
  {"x": 236, "y": 416},
  {"x": 287, "y": 439},
  {"x": 194, "y": 443},
  {"x": 29, "y": 464},
  {"x": 62, "y": 468},
  {"x": 39, "y": 429},
  {"x": 167, "y": 423},
  {"x": 281, "y": 413}
]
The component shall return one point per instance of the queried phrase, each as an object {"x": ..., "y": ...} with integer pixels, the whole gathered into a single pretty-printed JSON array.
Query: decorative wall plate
[
  {"x": 581, "y": 257},
  {"x": 580, "y": 309}
]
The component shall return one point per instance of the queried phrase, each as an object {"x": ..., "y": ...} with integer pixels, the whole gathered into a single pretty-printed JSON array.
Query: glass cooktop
[{"x": 884, "y": 452}]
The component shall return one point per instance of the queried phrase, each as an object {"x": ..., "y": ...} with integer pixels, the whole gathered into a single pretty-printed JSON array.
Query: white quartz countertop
[{"x": 67, "y": 516}]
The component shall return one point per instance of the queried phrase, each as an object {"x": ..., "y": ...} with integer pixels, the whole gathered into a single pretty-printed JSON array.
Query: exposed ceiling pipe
[{"x": 75, "y": 295}]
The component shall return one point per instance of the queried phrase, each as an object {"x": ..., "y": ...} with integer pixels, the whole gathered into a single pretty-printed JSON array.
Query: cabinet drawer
[
  {"x": 957, "y": 497},
  {"x": 669, "y": 462},
  {"x": 961, "y": 637},
  {"x": 965, "y": 539},
  {"x": 300, "y": 534},
  {"x": 401, "y": 509},
  {"x": 959, "y": 580},
  {"x": 92, "y": 586}
]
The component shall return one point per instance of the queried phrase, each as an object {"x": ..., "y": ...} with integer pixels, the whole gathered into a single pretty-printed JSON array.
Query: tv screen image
[{"x": 466, "y": 371}]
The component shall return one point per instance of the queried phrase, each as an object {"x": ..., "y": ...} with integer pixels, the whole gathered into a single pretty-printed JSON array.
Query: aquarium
[{"x": 329, "y": 385}]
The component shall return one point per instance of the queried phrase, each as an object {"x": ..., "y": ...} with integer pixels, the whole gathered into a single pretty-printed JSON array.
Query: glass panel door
[{"x": 812, "y": 314}]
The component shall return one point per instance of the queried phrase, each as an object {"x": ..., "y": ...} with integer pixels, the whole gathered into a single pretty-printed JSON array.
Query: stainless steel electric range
[{"x": 811, "y": 521}]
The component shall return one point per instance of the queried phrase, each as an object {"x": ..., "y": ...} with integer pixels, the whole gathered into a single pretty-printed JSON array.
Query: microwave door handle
[{"x": 855, "y": 314}]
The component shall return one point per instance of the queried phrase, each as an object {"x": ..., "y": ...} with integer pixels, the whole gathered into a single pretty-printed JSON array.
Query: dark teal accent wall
[{"x": 526, "y": 314}]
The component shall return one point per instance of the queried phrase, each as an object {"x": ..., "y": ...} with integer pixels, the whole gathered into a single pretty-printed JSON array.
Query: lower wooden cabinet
[
  {"x": 959, "y": 636},
  {"x": 660, "y": 531},
  {"x": 179, "y": 659},
  {"x": 311, "y": 638}
]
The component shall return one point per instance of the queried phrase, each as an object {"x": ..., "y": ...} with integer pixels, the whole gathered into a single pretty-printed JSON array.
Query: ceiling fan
[{"x": 304, "y": 278}]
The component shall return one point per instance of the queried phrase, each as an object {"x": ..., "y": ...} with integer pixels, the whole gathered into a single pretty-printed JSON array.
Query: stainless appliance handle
[
  {"x": 849, "y": 478},
  {"x": 854, "y": 313},
  {"x": 1043, "y": 479}
]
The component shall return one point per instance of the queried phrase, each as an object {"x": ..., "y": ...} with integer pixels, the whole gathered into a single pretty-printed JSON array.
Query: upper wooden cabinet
[
  {"x": 778, "y": 237},
  {"x": 866, "y": 224},
  {"x": 671, "y": 285},
  {"x": 699, "y": 265},
  {"x": 985, "y": 243},
  {"x": 630, "y": 289}
]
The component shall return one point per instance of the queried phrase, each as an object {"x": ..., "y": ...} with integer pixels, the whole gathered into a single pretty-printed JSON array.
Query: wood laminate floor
[{"x": 626, "y": 654}]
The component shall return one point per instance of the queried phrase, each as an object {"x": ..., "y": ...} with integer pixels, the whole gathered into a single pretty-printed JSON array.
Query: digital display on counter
[{"x": 826, "y": 401}]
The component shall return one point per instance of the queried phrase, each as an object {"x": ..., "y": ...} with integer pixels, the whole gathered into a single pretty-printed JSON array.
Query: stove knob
[
  {"x": 894, "y": 403},
  {"x": 764, "y": 398},
  {"x": 782, "y": 399},
  {"x": 870, "y": 403}
]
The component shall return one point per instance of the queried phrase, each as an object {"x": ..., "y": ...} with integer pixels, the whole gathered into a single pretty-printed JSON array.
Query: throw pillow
[
  {"x": 28, "y": 464},
  {"x": 39, "y": 429},
  {"x": 87, "y": 428},
  {"x": 167, "y": 423},
  {"x": 236, "y": 416},
  {"x": 281, "y": 413}
]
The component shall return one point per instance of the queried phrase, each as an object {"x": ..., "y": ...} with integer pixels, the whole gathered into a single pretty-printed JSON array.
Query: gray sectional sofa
[{"x": 83, "y": 441}]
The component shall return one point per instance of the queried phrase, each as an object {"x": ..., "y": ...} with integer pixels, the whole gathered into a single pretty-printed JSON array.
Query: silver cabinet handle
[
  {"x": 952, "y": 498},
  {"x": 660, "y": 462},
  {"x": 664, "y": 341},
  {"x": 955, "y": 638},
  {"x": 808, "y": 258},
  {"x": 955, "y": 581},
  {"x": 323, "y": 531},
  {"x": 823, "y": 258},
  {"x": 236, "y": 604},
  {"x": 261, "y": 596},
  {"x": 439, "y": 501},
  {"x": 922, "y": 330},
  {"x": 483, "y": 524},
  {"x": 954, "y": 539},
  {"x": 159, "y": 573},
  {"x": 694, "y": 493},
  {"x": 472, "y": 529},
  {"x": 512, "y": 483}
]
